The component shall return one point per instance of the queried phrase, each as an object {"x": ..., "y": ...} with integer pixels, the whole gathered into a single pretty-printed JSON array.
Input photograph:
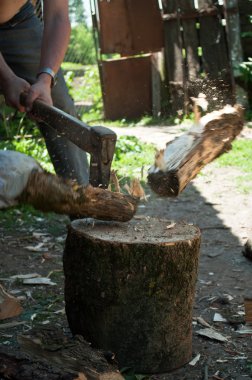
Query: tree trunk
[
  {"x": 184, "y": 157},
  {"x": 129, "y": 289},
  {"x": 47, "y": 192}
]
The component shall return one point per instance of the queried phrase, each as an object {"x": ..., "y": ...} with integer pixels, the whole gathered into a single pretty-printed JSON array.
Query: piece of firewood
[
  {"x": 183, "y": 158},
  {"x": 9, "y": 306},
  {"x": 48, "y": 192},
  {"x": 48, "y": 344}
]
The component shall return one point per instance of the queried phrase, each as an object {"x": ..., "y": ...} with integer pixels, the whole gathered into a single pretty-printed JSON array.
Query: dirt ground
[{"x": 215, "y": 204}]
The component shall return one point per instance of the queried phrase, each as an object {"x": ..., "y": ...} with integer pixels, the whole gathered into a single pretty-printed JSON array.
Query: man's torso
[{"x": 9, "y": 8}]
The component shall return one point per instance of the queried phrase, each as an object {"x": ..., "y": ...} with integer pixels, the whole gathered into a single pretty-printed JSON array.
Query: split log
[
  {"x": 9, "y": 306},
  {"x": 45, "y": 352},
  {"x": 184, "y": 157},
  {"x": 47, "y": 192},
  {"x": 129, "y": 289}
]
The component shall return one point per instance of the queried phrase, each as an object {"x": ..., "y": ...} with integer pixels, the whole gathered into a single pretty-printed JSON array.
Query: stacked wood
[
  {"x": 184, "y": 157},
  {"x": 129, "y": 289},
  {"x": 47, "y": 192}
]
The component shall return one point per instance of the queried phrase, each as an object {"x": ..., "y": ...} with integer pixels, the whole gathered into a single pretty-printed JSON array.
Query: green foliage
[
  {"x": 245, "y": 70},
  {"x": 246, "y": 34},
  {"x": 34, "y": 147},
  {"x": 132, "y": 157},
  {"x": 81, "y": 48},
  {"x": 90, "y": 90},
  {"x": 69, "y": 77},
  {"x": 239, "y": 156},
  {"x": 13, "y": 123},
  {"x": 76, "y": 11},
  {"x": 72, "y": 66}
]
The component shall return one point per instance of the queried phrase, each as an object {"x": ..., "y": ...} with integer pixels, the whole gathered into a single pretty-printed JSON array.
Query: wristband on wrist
[{"x": 49, "y": 71}]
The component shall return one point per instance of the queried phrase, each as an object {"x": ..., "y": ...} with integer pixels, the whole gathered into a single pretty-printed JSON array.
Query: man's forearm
[
  {"x": 56, "y": 34},
  {"x": 5, "y": 71}
]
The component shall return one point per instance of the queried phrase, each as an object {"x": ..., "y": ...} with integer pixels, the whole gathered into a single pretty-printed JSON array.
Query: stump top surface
[{"x": 139, "y": 230}]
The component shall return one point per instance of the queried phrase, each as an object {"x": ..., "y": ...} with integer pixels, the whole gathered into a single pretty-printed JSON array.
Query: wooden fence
[
  {"x": 201, "y": 49},
  {"x": 201, "y": 45}
]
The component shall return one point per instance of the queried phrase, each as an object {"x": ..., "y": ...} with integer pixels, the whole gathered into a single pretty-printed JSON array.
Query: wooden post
[{"x": 129, "y": 289}]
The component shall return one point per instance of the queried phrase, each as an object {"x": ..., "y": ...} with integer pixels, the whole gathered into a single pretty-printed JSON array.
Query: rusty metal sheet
[
  {"x": 126, "y": 87},
  {"x": 130, "y": 27}
]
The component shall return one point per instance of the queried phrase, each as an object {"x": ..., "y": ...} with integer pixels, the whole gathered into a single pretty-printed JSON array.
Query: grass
[
  {"x": 72, "y": 66},
  {"x": 239, "y": 157},
  {"x": 133, "y": 157}
]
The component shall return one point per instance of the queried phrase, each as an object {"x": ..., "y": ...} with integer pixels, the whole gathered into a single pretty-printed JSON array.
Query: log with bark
[
  {"x": 184, "y": 157},
  {"x": 129, "y": 289},
  {"x": 47, "y": 192},
  {"x": 46, "y": 352},
  {"x": 23, "y": 180}
]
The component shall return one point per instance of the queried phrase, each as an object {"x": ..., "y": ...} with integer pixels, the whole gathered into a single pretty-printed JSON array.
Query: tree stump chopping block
[{"x": 129, "y": 289}]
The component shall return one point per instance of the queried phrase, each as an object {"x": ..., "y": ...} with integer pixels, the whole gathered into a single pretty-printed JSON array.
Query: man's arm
[
  {"x": 11, "y": 85},
  {"x": 54, "y": 45}
]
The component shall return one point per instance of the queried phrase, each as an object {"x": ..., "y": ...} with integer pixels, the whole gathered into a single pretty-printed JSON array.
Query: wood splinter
[{"x": 183, "y": 158}]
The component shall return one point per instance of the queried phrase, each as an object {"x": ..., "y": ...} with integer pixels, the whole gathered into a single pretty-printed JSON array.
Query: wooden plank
[
  {"x": 214, "y": 48},
  {"x": 126, "y": 87},
  {"x": 156, "y": 60},
  {"x": 173, "y": 46},
  {"x": 245, "y": 11},
  {"x": 191, "y": 41},
  {"x": 233, "y": 33},
  {"x": 130, "y": 27},
  {"x": 174, "y": 62}
]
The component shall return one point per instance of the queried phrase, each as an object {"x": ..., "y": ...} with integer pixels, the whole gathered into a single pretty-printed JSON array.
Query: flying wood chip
[{"x": 183, "y": 158}]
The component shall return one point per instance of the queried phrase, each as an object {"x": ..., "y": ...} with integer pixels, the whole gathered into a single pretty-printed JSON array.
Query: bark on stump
[{"x": 129, "y": 288}]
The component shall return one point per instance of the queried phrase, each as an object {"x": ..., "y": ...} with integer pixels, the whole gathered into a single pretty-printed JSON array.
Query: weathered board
[
  {"x": 215, "y": 57},
  {"x": 130, "y": 27},
  {"x": 126, "y": 87},
  {"x": 245, "y": 12},
  {"x": 174, "y": 61},
  {"x": 196, "y": 47}
]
